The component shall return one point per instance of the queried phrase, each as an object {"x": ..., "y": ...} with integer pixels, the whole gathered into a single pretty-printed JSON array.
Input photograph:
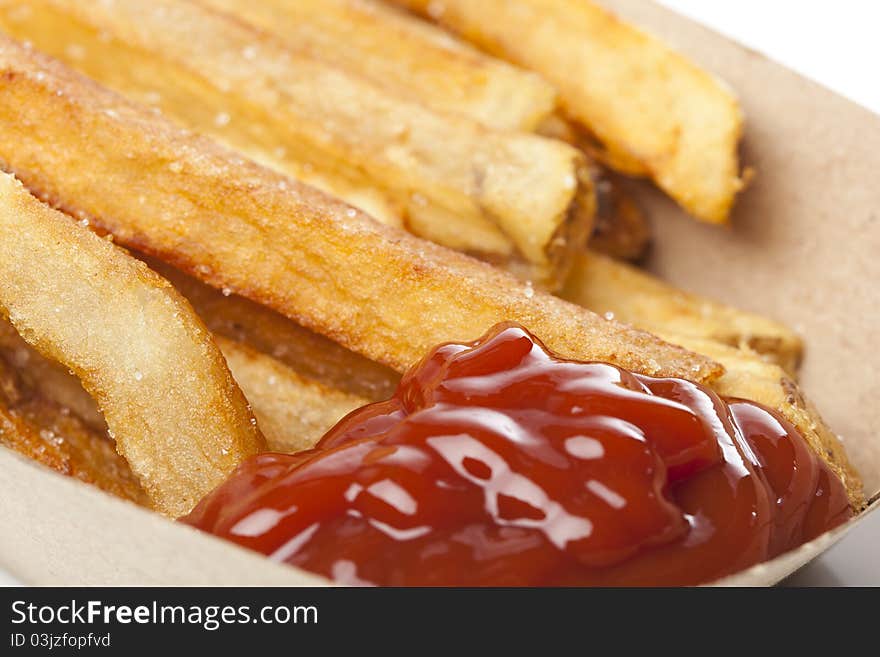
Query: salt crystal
[{"x": 222, "y": 119}]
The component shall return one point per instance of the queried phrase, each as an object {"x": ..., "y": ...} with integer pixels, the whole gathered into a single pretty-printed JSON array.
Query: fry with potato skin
[
  {"x": 631, "y": 295},
  {"x": 512, "y": 193},
  {"x": 235, "y": 225},
  {"x": 169, "y": 400},
  {"x": 406, "y": 56},
  {"x": 642, "y": 100}
]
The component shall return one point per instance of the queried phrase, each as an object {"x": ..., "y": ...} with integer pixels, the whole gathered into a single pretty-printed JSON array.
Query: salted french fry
[
  {"x": 309, "y": 355},
  {"x": 642, "y": 99},
  {"x": 406, "y": 56},
  {"x": 293, "y": 412},
  {"x": 52, "y": 434},
  {"x": 245, "y": 229},
  {"x": 169, "y": 400},
  {"x": 556, "y": 126},
  {"x": 510, "y": 193},
  {"x": 631, "y": 295}
]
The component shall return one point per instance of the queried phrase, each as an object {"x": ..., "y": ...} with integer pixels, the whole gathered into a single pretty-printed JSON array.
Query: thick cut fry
[
  {"x": 556, "y": 126},
  {"x": 406, "y": 56},
  {"x": 633, "y": 296},
  {"x": 169, "y": 400},
  {"x": 197, "y": 104},
  {"x": 310, "y": 355},
  {"x": 293, "y": 412},
  {"x": 511, "y": 193},
  {"x": 642, "y": 99},
  {"x": 53, "y": 435},
  {"x": 231, "y": 223}
]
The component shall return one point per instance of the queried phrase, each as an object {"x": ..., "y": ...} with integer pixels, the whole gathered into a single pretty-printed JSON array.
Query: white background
[{"x": 838, "y": 44}]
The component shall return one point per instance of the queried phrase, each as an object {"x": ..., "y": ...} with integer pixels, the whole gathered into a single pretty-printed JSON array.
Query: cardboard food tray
[{"x": 803, "y": 248}]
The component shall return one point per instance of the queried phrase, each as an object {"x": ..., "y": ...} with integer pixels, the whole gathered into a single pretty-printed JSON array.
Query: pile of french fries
[{"x": 309, "y": 195}]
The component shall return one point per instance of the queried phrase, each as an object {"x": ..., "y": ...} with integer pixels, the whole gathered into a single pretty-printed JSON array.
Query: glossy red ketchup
[{"x": 497, "y": 463}]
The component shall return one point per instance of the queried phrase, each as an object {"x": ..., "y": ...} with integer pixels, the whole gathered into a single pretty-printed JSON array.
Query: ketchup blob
[{"x": 497, "y": 463}]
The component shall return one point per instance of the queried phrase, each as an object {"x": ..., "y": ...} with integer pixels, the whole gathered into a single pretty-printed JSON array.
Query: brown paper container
[{"x": 803, "y": 248}]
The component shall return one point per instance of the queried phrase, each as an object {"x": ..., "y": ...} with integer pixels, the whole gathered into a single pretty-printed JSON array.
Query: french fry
[
  {"x": 293, "y": 412},
  {"x": 53, "y": 435},
  {"x": 510, "y": 194},
  {"x": 309, "y": 355},
  {"x": 406, "y": 56},
  {"x": 620, "y": 228},
  {"x": 633, "y": 296},
  {"x": 642, "y": 100},
  {"x": 557, "y": 126},
  {"x": 169, "y": 400},
  {"x": 247, "y": 230}
]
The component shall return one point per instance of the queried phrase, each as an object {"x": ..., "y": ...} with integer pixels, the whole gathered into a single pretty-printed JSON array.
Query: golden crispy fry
[
  {"x": 643, "y": 100},
  {"x": 603, "y": 285},
  {"x": 310, "y": 355},
  {"x": 621, "y": 229},
  {"x": 235, "y": 225},
  {"x": 52, "y": 434},
  {"x": 170, "y": 402},
  {"x": 557, "y": 126},
  {"x": 510, "y": 193},
  {"x": 293, "y": 412},
  {"x": 406, "y": 56},
  {"x": 750, "y": 376},
  {"x": 197, "y": 104}
]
